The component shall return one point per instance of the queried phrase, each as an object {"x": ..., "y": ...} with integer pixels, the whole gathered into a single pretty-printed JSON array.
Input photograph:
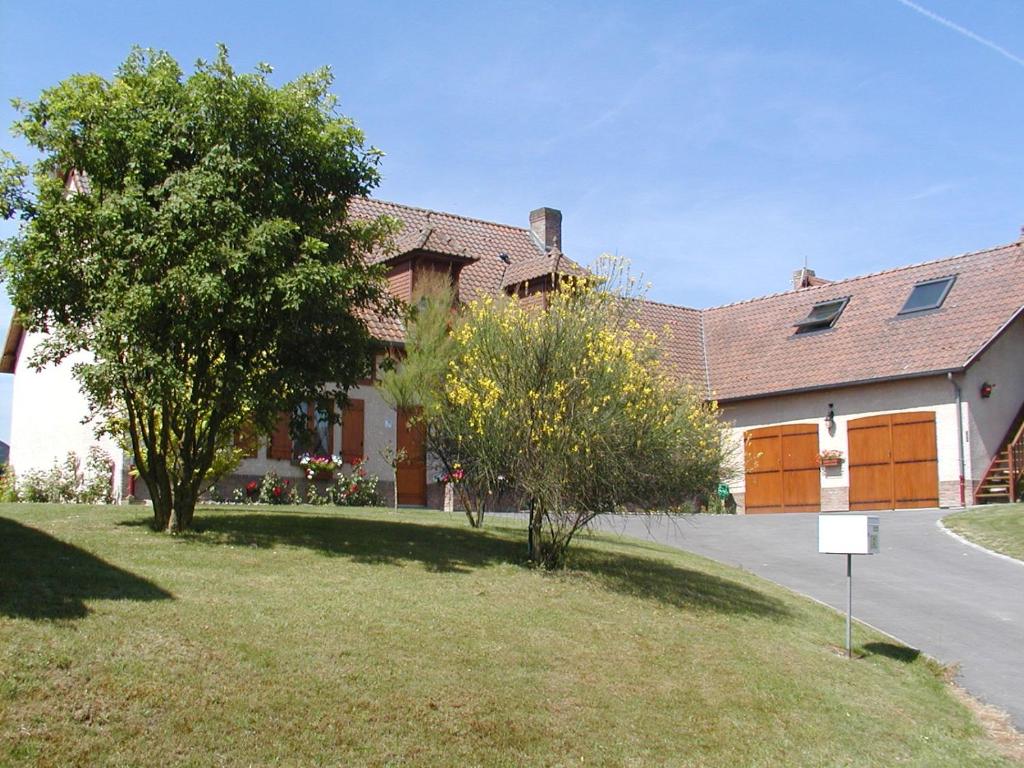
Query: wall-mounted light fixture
[
  {"x": 830, "y": 417},
  {"x": 986, "y": 389}
]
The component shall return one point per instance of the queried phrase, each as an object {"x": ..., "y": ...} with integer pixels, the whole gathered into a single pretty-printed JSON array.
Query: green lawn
[
  {"x": 315, "y": 636},
  {"x": 999, "y": 527}
]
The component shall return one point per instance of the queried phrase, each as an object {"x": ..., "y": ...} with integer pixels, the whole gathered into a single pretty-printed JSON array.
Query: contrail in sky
[{"x": 965, "y": 32}]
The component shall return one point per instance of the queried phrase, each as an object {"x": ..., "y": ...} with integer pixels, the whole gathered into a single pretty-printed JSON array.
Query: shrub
[
  {"x": 357, "y": 489},
  {"x": 274, "y": 490},
  {"x": 67, "y": 482}
]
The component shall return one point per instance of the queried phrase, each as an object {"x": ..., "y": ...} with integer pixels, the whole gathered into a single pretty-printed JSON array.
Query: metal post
[{"x": 849, "y": 606}]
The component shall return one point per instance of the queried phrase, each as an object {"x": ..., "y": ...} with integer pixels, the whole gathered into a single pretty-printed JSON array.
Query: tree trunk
[{"x": 536, "y": 531}]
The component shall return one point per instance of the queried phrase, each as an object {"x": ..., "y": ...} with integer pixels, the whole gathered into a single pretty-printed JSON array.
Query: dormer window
[
  {"x": 822, "y": 315},
  {"x": 928, "y": 295}
]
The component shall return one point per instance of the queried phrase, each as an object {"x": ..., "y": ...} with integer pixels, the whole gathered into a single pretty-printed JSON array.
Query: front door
[{"x": 411, "y": 473}]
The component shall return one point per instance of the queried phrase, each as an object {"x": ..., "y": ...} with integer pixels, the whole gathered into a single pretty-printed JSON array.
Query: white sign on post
[{"x": 848, "y": 535}]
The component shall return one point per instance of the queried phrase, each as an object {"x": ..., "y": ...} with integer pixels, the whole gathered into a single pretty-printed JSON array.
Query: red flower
[
  {"x": 278, "y": 490},
  {"x": 353, "y": 488}
]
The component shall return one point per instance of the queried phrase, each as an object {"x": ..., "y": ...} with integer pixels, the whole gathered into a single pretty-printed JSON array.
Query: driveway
[{"x": 956, "y": 603}]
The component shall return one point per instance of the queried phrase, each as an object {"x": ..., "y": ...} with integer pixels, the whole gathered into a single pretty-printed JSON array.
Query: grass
[
  {"x": 281, "y": 637},
  {"x": 999, "y": 527}
]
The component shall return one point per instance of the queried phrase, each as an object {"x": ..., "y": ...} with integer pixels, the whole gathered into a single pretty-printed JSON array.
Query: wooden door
[
  {"x": 893, "y": 461},
  {"x": 411, "y": 474},
  {"x": 353, "y": 431},
  {"x": 782, "y": 473}
]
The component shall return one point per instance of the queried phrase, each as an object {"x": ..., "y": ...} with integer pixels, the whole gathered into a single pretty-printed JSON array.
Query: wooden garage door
[
  {"x": 782, "y": 473},
  {"x": 893, "y": 461}
]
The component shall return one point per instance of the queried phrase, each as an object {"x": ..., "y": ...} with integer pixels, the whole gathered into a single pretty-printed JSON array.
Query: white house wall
[
  {"x": 47, "y": 410},
  {"x": 925, "y": 394},
  {"x": 1002, "y": 365}
]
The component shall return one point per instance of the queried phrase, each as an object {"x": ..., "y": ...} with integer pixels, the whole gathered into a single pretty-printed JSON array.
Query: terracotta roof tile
[
  {"x": 753, "y": 350},
  {"x": 541, "y": 266},
  {"x": 680, "y": 337},
  {"x": 483, "y": 240},
  {"x": 750, "y": 348}
]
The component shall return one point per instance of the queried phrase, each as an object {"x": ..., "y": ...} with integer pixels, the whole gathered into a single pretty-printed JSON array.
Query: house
[{"x": 912, "y": 376}]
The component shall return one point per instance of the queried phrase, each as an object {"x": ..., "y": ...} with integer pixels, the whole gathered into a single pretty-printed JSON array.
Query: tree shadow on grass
[
  {"x": 385, "y": 542},
  {"x": 658, "y": 579},
  {"x": 44, "y": 578},
  {"x": 446, "y": 549}
]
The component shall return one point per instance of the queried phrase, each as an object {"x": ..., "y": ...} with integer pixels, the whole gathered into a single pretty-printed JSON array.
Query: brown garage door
[
  {"x": 782, "y": 473},
  {"x": 893, "y": 461}
]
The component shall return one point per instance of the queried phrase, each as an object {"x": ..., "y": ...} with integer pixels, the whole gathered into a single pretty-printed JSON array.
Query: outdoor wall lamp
[
  {"x": 986, "y": 389},
  {"x": 830, "y": 417}
]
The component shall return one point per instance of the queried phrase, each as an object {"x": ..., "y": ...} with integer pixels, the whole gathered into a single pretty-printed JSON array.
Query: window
[
  {"x": 822, "y": 315},
  {"x": 929, "y": 295}
]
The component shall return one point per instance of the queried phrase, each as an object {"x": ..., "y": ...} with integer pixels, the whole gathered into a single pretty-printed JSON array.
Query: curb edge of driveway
[{"x": 979, "y": 547}]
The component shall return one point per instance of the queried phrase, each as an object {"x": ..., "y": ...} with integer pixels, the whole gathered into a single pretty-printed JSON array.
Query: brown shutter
[
  {"x": 247, "y": 441},
  {"x": 352, "y": 431},
  {"x": 281, "y": 438}
]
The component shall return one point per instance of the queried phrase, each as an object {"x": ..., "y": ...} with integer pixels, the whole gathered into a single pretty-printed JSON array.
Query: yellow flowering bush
[{"x": 569, "y": 409}]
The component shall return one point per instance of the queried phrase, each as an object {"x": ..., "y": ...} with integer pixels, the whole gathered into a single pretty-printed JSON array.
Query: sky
[{"x": 718, "y": 145}]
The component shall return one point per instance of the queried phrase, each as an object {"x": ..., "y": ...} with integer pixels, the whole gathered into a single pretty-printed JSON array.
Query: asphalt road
[{"x": 952, "y": 601}]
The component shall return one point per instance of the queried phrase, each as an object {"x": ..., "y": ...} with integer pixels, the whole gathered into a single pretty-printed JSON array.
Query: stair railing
[{"x": 1015, "y": 453}]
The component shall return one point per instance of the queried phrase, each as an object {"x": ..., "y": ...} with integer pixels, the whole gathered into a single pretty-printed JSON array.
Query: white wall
[
  {"x": 47, "y": 410},
  {"x": 1002, "y": 364},
  {"x": 926, "y": 394}
]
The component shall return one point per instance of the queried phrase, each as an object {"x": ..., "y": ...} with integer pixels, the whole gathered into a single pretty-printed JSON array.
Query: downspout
[{"x": 958, "y": 395}]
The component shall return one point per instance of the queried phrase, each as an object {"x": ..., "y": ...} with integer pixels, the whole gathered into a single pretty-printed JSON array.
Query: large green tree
[{"x": 201, "y": 255}]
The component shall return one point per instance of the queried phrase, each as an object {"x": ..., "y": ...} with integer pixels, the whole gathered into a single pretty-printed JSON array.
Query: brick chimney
[
  {"x": 802, "y": 278},
  {"x": 546, "y": 224}
]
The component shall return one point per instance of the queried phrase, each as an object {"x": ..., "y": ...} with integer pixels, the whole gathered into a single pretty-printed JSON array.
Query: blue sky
[{"x": 716, "y": 144}]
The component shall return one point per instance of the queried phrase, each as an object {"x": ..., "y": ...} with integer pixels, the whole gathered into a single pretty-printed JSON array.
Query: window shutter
[
  {"x": 352, "y": 420},
  {"x": 281, "y": 438},
  {"x": 247, "y": 441}
]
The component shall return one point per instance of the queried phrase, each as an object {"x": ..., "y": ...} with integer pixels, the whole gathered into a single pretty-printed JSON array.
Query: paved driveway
[{"x": 950, "y": 600}]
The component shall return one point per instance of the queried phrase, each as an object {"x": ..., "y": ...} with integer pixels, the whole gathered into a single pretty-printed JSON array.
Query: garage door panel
[
  {"x": 871, "y": 485},
  {"x": 800, "y": 452},
  {"x": 782, "y": 473},
  {"x": 763, "y": 452},
  {"x": 914, "y": 441},
  {"x": 869, "y": 444},
  {"x": 893, "y": 461},
  {"x": 801, "y": 490},
  {"x": 915, "y": 484},
  {"x": 763, "y": 492}
]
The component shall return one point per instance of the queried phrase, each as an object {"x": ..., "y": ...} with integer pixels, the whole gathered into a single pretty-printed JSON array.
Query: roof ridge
[
  {"x": 866, "y": 275},
  {"x": 446, "y": 213},
  {"x": 672, "y": 306}
]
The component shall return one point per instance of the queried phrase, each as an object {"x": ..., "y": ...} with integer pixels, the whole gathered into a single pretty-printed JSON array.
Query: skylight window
[
  {"x": 929, "y": 295},
  {"x": 822, "y": 315}
]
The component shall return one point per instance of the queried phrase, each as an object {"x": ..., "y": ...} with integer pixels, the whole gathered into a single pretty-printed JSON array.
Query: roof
[
  {"x": 748, "y": 349},
  {"x": 541, "y": 266},
  {"x": 484, "y": 240},
  {"x": 679, "y": 334},
  {"x": 753, "y": 350},
  {"x": 12, "y": 346},
  {"x": 428, "y": 238}
]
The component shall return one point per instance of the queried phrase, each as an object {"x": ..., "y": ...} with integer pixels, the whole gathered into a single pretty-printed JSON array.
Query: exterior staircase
[{"x": 1004, "y": 478}]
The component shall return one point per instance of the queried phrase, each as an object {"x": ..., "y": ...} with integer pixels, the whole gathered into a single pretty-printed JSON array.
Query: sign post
[{"x": 848, "y": 535}]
